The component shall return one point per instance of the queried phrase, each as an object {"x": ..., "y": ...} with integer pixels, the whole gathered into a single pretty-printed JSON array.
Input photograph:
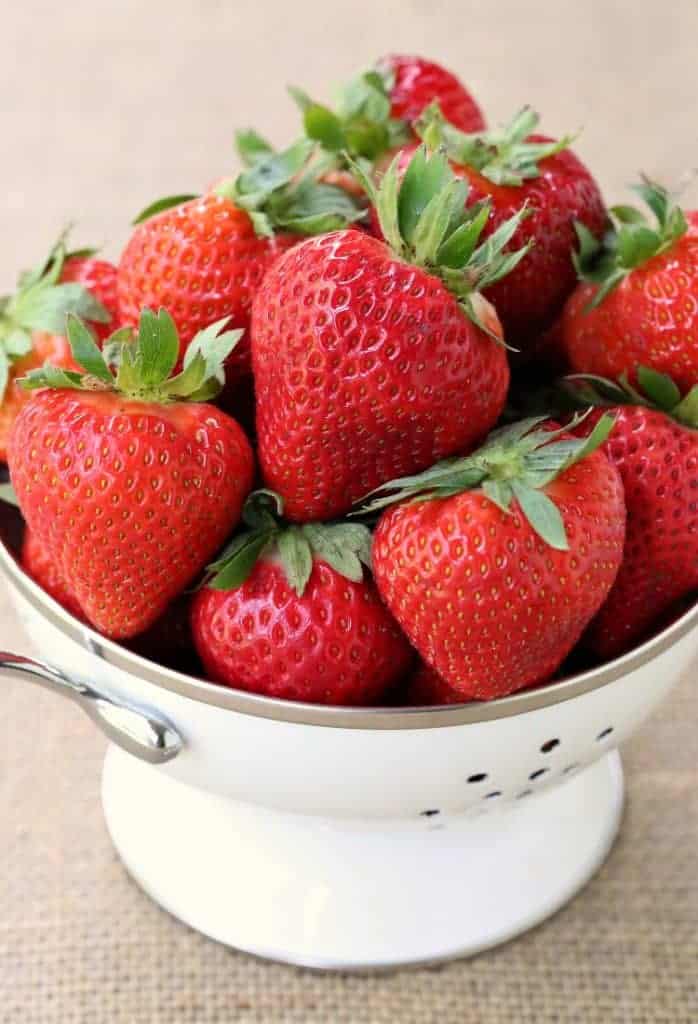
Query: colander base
[{"x": 337, "y": 894}]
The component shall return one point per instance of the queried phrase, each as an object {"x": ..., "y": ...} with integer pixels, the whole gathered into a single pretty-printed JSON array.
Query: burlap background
[{"x": 103, "y": 107}]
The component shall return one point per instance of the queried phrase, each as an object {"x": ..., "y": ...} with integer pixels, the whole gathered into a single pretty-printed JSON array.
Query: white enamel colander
[{"x": 347, "y": 838}]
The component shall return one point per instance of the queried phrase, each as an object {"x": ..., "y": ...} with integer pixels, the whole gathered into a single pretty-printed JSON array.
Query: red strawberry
[
  {"x": 204, "y": 259},
  {"x": 373, "y": 359},
  {"x": 32, "y": 323},
  {"x": 415, "y": 82},
  {"x": 426, "y": 688},
  {"x": 638, "y": 301},
  {"x": 129, "y": 489},
  {"x": 99, "y": 278},
  {"x": 511, "y": 167},
  {"x": 289, "y": 614},
  {"x": 495, "y": 577},
  {"x": 43, "y": 568},
  {"x": 656, "y": 452}
]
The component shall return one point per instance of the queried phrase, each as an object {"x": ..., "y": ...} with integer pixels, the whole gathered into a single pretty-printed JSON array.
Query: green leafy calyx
[
  {"x": 631, "y": 241},
  {"x": 653, "y": 390},
  {"x": 360, "y": 124},
  {"x": 142, "y": 366},
  {"x": 505, "y": 156},
  {"x": 345, "y": 547},
  {"x": 282, "y": 191},
  {"x": 425, "y": 221},
  {"x": 41, "y": 303},
  {"x": 517, "y": 462}
]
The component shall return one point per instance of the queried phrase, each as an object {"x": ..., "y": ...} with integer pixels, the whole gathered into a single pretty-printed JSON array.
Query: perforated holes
[
  {"x": 604, "y": 733},
  {"x": 491, "y": 796},
  {"x": 478, "y": 777},
  {"x": 537, "y": 773},
  {"x": 549, "y": 745},
  {"x": 430, "y": 813}
]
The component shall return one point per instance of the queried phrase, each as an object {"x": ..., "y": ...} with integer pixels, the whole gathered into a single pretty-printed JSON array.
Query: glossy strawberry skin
[
  {"x": 484, "y": 600},
  {"x": 52, "y": 348},
  {"x": 337, "y": 644},
  {"x": 418, "y": 82},
  {"x": 531, "y": 297},
  {"x": 658, "y": 463},
  {"x": 649, "y": 319},
  {"x": 99, "y": 277},
  {"x": 43, "y": 569},
  {"x": 366, "y": 369},
  {"x": 202, "y": 261},
  {"x": 130, "y": 500}
]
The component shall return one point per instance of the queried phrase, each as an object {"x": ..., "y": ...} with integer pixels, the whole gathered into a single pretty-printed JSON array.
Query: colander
[{"x": 342, "y": 838}]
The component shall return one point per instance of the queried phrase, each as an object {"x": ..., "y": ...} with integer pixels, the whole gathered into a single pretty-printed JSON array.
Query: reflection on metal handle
[{"x": 141, "y": 733}]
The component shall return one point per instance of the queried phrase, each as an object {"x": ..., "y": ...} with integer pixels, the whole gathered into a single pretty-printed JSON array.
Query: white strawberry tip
[
  {"x": 345, "y": 547},
  {"x": 516, "y": 462}
]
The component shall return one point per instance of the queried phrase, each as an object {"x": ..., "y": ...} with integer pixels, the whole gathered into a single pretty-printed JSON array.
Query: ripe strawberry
[
  {"x": 426, "y": 688},
  {"x": 99, "y": 278},
  {"x": 495, "y": 577},
  {"x": 32, "y": 322},
  {"x": 638, "y": 300},
  {"x": 375, "y": 115},
  {"x": 129, "y": 489},
  {"x": 43, "y": 569},
  {"x": 655, "y": 447},
  {"x": 204, "y": 258},
  {"x": 375, "y": 358},
  {"x": 414, "y": 82},
  {"x": 289, "y": 613},
  {"x": 511, "y": 167}
]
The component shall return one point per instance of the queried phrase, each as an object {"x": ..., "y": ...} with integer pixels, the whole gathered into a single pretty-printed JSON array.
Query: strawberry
[
  {"x": 128, "y": 488},
  {"x": 497, "y": 574},
  {"x": 513, "y": 167},
  {"x": 99, "y": 278},
  {"x": 32, "y": 322},
  {"x": 289, "y": 613},
  {"x": 638, "y": 300},
  {"x": 204, "y": 258},
  {"x": 375, "y": 358},
  {"x": 655, "y": 448},
  {"x": 43, "y": 569},
  {"x": 426, "y": 688},
  {"x": 376, "y": 113},
  {"x": 414, "y": 82}
]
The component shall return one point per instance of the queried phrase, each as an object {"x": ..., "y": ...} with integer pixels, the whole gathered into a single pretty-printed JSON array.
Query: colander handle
[{"x": 143, "y": 734}]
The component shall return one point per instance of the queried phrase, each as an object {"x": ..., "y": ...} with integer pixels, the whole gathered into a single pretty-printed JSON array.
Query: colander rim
[{"x": 366, "y": 718}]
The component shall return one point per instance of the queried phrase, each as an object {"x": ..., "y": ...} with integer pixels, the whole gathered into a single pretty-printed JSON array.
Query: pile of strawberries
[{"x": 401, "y": 413}]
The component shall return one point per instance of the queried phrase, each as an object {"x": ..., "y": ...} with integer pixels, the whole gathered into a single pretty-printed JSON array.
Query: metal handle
[{"x": 147, "y": 736}]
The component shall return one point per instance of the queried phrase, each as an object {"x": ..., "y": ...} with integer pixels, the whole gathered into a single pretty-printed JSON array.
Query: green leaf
[
  {"x": 627, "y": 214},
  {"x": 157, "y": 347},
  {"x": 425, "y": 177},
  {"x": 51, "y": 377},
  {"x": 686, "y": 411},
  {"x": 659, "y": 387},
  {"x": 636, "y": 244},
  {"x": 344, "y": 546},
  {"x": 458, "y": 248},
  {"x": 499, "y": 492},
  {"x": 297, "y": 558},
  {"x": 16, "y": 343},
  {"x": 86, "y": 351},
  {"x": 214, "y": 344},
  {"x": 324, "y": 126},
  {"x": 433, "y": 224},
  {"x": 255, "y": 185},
  {"x": 313, "y": 208},
  {"x": 7, "y": 494},
  {"x": 251, "y": 147},
  {"x": 589, "y": 248},
  {"x": 184, "y": 385},
  {"x": 542, "y": 514},
  {"x": 44, "y": 307},
  {"x": 241, "y": 559},
  {"x": 386, "y": 203},
  {"x": 160, "y": 205}
]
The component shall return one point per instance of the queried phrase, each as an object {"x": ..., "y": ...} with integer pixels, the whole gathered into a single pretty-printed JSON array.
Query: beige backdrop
[{"x": 106, "y": 106}]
